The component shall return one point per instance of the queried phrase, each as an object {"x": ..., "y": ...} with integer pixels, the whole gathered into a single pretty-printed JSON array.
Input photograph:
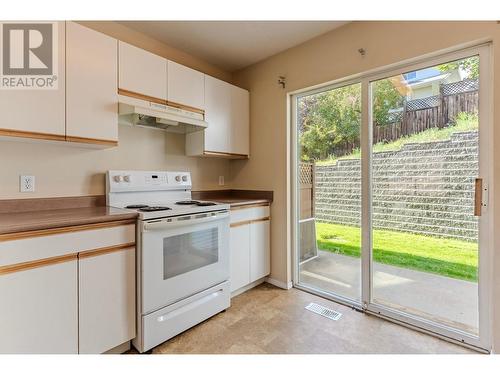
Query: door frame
[{"x": 481, "y": 48}]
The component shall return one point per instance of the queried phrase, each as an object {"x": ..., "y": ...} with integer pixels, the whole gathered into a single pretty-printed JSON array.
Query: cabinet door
[
  {"x": 142, "y": 72},
  {"x": 240, "y": 121},
  {"x": 37, "y": 113},
  {"x": 217, "y": 114},
  {"x": 91, "y": 84},
  {"x": 240, "y": 256},
  {"x": 260, "y": 257},
  {"x": 107, "y": 300},
  {"x": 185, "y": 86},
  {"x": 40, "y": 310}
]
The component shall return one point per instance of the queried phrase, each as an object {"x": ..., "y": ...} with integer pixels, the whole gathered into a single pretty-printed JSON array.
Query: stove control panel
[{"x": 147, "y": 180}]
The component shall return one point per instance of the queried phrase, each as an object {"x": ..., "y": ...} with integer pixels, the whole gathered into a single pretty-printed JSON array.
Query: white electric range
[{"x": 182, "y": 252}]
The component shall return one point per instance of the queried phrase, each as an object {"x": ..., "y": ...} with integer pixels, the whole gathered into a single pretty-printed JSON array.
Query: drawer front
[
  {"x": 55, "y": 245},
  {"x": 164, "y": 324},
  {"x": 248, "y": 214}
]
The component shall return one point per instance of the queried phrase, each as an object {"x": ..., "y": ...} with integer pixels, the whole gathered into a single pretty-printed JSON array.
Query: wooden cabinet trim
[
  {"x": 246, "y": 222},
  {"x": 136, "y": 95},
  {"x": 11, "y": 268},
  {"x": 105, "y": 250},
  {"x": 242, "y": 207},
  {"x": 225, "y": 154},
  {"x": 103, "y": 142},
  {"x": 75, "y": 228},
  {"x": 31, "y": 135},
  {"x": 152, "y": 99},
  {"x": 17, "y": 267}
]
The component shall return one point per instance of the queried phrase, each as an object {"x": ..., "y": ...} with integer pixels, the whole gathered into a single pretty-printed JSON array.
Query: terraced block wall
[{"x": 424, "y": 188}]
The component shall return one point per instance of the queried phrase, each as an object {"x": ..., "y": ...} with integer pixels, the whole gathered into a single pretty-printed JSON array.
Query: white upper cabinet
[
  {"x": 186, "y": 86},
  {"x": 142, "y": 72},
  {"x": 227, "y": 115},
  {"x": 240, "y": 121},
  {"x": 218, "y": 115},
  {"x": 37, "y": 113},
  {"x": 91, "y": 85}
]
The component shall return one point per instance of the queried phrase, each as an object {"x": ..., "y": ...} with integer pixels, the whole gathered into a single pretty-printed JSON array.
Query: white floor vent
[{"x": 325, "y": 311}]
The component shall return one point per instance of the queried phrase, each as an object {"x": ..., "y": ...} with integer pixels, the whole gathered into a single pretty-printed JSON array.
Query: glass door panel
[
  {"x": 425, "y": 160},
  {"x": 329, "y": 191}
]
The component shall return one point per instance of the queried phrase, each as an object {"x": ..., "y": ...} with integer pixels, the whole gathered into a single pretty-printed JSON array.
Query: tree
[
  {"x": 469, "y": 65},
  {"x": 328, "y": 120},
  {"x": 386, "y": 97}
]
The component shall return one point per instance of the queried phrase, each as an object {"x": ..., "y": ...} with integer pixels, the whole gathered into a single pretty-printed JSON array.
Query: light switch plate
[
  {"x": 221, "y": 180},
  {"x": 26, "y": 184}
]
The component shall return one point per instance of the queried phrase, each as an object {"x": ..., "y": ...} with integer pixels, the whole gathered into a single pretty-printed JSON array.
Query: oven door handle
[{"x": 164, "y": 224}]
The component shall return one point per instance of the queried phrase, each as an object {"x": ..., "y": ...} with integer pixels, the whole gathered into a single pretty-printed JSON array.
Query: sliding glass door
[
  {"x": 329, "y": 201},
  {"x": 390, "y": 181}
]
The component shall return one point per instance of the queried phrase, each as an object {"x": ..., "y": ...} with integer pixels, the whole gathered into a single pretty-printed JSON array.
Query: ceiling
[{"x": 233, "y": 45}]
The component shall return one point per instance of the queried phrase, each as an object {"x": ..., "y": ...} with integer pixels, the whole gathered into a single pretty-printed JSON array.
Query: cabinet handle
[{"x": 478, "y": 196}]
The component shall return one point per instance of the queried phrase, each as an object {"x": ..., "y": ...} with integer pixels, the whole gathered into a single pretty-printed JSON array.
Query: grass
[
  {"x": 446, "y": 257},
  {"x": 464, "y": 122}
]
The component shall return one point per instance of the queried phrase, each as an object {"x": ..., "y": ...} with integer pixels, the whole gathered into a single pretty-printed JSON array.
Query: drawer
[
  {"x": 168, "y": 322},
  {"x": 69, "y": 242},
  {"x": 248, "y": 214}
]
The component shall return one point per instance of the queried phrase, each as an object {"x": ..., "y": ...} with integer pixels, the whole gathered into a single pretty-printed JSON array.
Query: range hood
[{"x": 138, "y": 112}]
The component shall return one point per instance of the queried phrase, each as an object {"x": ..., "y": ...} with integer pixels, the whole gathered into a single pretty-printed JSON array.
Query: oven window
[{"x": 190, "y": 251}]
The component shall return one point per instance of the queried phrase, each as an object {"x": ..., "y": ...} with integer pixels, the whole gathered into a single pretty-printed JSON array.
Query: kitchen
[{"x": 154, "y": 199}]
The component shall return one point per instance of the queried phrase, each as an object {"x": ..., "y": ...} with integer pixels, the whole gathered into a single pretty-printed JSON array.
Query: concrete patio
[{"x": 450, "y": 301}]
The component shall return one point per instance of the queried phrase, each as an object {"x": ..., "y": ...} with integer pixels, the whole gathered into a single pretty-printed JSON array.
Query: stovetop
[
  {"x": 155, "y": 194},
  {"x": 167, "y": 209}
]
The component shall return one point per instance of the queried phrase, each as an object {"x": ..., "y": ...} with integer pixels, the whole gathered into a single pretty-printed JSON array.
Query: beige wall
[
  {"x": 332, "y": 56},
  {"x": 63, "y": 170}
]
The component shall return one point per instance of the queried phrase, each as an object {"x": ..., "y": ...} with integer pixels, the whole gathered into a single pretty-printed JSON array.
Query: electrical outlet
[
  {"x": 26, "y": 184},
  {"x": 221, "y": 180}
]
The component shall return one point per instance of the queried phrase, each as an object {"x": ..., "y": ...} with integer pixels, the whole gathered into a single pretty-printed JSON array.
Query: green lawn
[{"x": 452, "y": 258}]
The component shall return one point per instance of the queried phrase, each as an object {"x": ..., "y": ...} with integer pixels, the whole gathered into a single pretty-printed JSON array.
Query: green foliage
[
  {"x": 464, "y": 121},
  {"x": 470, "y": 65},
  {"x": 332, "y": 118},
  {"x": 385, "y": 98},
  {"x": 330, "y": 121}
]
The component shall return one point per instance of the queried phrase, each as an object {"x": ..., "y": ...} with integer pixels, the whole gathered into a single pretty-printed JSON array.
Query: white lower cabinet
[
  {"x": 39, "y": 311},
  {"x": 106, "y": 300},
  {"x": 240, "y": 256},
  {"x": 68, "y": 291},
  {"x": 250, "y": 246},
  {"x": 260, "y": 259}
]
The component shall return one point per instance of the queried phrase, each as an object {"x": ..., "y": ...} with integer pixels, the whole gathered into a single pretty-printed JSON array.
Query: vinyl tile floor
[{"x": 269, "y": 320}]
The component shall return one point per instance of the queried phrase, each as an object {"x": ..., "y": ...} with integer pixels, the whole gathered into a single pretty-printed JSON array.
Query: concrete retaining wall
[{"x": 425, "y": 188}]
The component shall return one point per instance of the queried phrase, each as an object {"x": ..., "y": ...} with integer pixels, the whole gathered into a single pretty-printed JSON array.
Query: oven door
[{"x": 182, "y": 256}]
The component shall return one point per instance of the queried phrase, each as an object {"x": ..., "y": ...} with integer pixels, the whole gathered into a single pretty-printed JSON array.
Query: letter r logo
[{"x": 27, "y": 49}]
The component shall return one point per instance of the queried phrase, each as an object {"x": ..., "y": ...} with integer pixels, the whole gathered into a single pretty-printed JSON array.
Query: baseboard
[
  {"x": 122, "y": 348},
  {"x": 247, "y": 287},
  {"x": 279, "y": 284}
]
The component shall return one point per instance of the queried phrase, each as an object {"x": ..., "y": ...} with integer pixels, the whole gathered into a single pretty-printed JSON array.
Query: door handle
[{"x": 478, "y": 196}]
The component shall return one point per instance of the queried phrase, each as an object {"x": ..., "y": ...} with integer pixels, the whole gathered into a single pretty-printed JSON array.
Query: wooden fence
[
  {"x": 421, "y": 114},
  {"x": 307, "y": 186},
  {"x": 439, "y": 116}
]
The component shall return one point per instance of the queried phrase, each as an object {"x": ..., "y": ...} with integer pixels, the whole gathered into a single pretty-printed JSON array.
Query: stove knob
[
  {"x": 117, "y": 178},
  {"x": 184, "y": 178},
  {"x": 127, "y": 178},
  {"x": 178, "y": 178}
]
